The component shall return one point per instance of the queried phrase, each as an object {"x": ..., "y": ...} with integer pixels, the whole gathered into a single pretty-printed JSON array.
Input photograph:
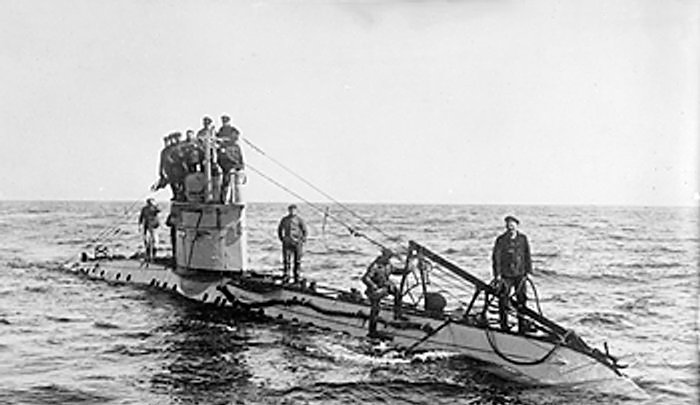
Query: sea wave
[
  {"x": 654, "y": 265},
  {"x": 63, "y": 319},
  {"x": 131, "y": 350},
  {"x": 105, "y": 325},
  {"x": 52, "y": 394},
  {"x": 639, "y": 306},
  {"x": 611, "y": 319},
  {"x": 41, "y": 289},
  {"x": 545, "y": 255},
  {"x": 658, "y": 249},
  {"x": 635, "y": 289},
  {"x": 331, "y": 251},
  {"x": 451, "y": 251}
]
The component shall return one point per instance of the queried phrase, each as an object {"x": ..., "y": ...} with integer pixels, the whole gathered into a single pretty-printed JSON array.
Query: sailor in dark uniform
[
  {"x": 163, "y": 166},
  {"x": 376, "y": 278},
  {"x": 511, "y": 265},
  {"x": 194, "y": 153},
  {"x": 176, "y": 167},
  {"x": 292, "y": 233},
  {"x": 148, "y": 223},
  {"x": 229, "y": 156},
  {"x": 227, "y": 131},
  {"x": 206, "y": 128}
]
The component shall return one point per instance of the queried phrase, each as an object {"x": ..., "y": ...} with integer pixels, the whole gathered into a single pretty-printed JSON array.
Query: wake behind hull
[{"x": 552, "y": 362}]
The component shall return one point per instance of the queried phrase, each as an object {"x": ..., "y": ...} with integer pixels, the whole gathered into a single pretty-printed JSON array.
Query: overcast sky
[{"x": 470, "y": 102}]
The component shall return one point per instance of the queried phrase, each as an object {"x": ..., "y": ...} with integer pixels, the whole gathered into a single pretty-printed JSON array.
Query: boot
[
  {"x": 296, "y": 274},
  {"x": 372, "y": 328}
]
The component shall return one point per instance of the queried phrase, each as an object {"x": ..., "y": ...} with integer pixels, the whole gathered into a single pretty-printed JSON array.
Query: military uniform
[
  {"x": 376, "y": 278},
  {"x": 164, "y": 156},
  {"x": 229, "y": 156},
  {"x": 148, "y": 219},
  {"x": 176, "y": 170},
  {"x": 292, "y": 233},
  {"x": 512, "y": 263},
  {"x": 228, "y": 133}
]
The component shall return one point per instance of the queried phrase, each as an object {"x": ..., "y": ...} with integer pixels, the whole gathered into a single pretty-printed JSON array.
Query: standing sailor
[
  {"x": 227, "y": 132},
  {"x": 177, "y": 167},
  {"x": 163, "y": 166},
  {"x": 194, "y": 153},
  {"x": 229, "y": 157},
  {"x": 376, "y": 278},
  {"x": 205, "y": 136},
  {"x": 148, "y": 223},
  {"x": 206, "y": 127},
  {"x": 511, "y": 265},
  {"x": 292, "y": 233}
]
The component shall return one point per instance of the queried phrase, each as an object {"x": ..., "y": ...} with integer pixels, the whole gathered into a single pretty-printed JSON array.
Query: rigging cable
[
  {"x": 112, "y": 229},
  {"x": 338, "y": 203},
  {"x": 352, "y": 231}
]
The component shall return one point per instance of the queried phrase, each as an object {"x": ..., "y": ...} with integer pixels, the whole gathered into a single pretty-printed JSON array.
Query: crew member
[
  {"x": 189, "y": 136},
  {"x": 206, "y": 131},
  {"x": 229, "y": 156},
  {"x": 511, "y": 265},
  {"x": 292, "y": 233},
  {"x": 376, "y": 278},
  {"x": 194, "y": 153},
  {"x": 162, "y": 167},
  {"x": 206, "y": 128},
  {"x": 176, "y": 167},
  {"x": 227, "y": 132},
  {"x": 148, "y": 223}
]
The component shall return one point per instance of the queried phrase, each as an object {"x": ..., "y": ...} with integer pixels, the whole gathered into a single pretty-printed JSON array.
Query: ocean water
[{"x": 628, "y": 276}]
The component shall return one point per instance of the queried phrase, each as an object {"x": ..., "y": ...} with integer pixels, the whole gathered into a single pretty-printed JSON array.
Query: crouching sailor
[{"x": 376, "y": 278}]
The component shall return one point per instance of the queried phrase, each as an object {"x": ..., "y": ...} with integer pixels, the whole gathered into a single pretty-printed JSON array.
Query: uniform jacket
[
  {"x": 292, "y": 230},
  {"x": 176, "y": 163},
  {"x": 194, "y": 154},
  {"x": 149, "y": 217},
  {"x": 164, "y": 157},
  {"x": 230, "y": 157},
  {"x": 203, "y": 133},
  {"x": 228, "y": 134},
  {"x": 511, "y": 256},
  {"x": 377, "y": 275}
]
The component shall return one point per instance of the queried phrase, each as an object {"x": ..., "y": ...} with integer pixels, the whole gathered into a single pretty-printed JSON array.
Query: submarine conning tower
[{"x": 209, "y": 226}]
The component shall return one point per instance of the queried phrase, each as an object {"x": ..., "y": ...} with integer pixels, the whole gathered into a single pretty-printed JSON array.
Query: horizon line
[{"x": 697, "y": 205}]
